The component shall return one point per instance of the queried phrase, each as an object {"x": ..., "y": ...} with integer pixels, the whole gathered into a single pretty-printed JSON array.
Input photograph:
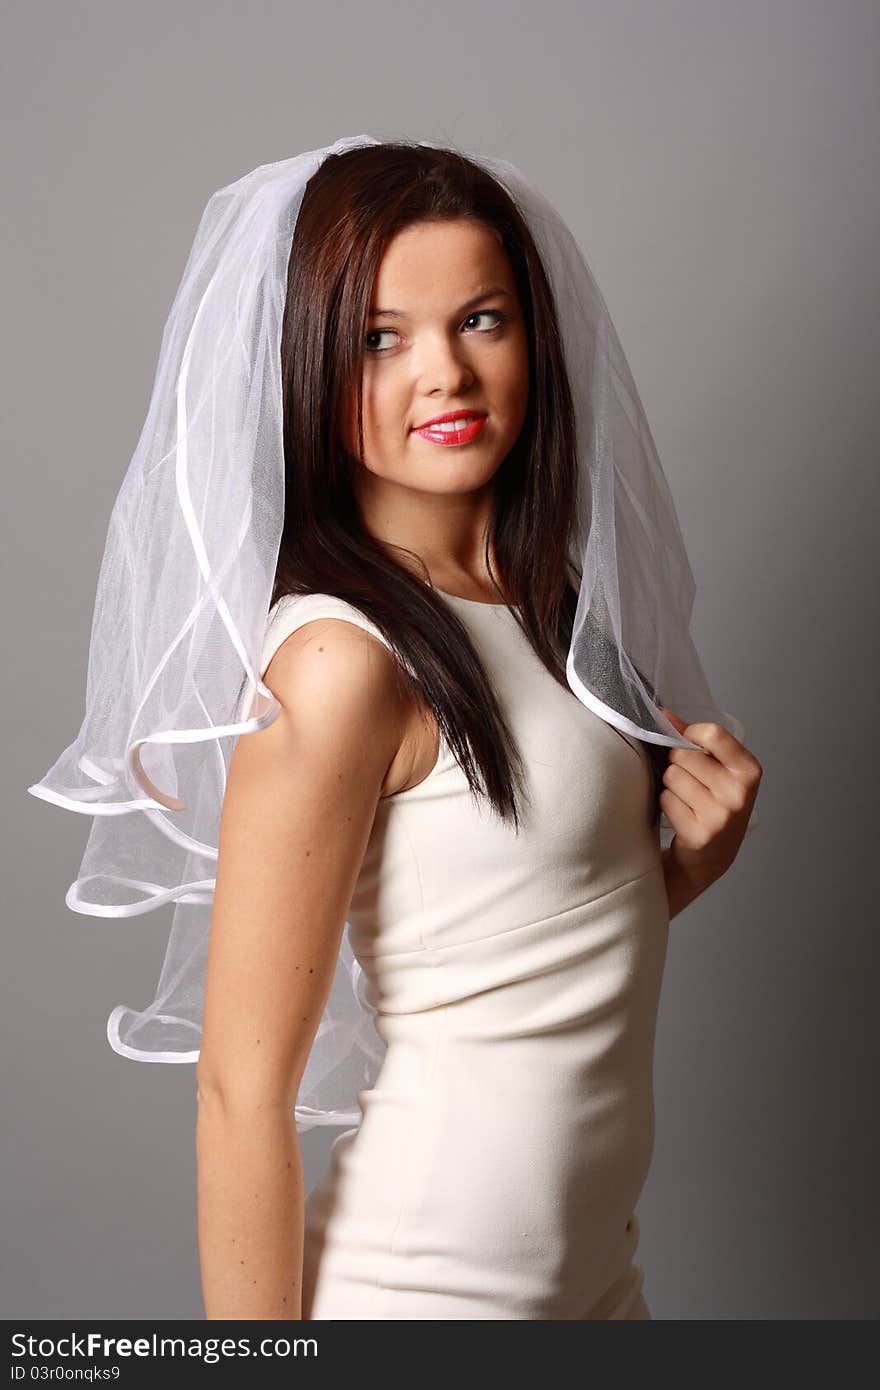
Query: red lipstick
[{"x": 472, "y": 423}]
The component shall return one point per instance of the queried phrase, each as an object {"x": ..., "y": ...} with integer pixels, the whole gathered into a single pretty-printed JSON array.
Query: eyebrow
[{"x": 477, "y": 299}]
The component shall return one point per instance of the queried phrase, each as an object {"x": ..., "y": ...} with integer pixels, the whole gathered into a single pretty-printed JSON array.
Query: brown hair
[{"x": 352, "y": 205}]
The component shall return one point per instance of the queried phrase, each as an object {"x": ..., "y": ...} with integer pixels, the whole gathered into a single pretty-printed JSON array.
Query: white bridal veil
[{"x": 186, "y": 582}]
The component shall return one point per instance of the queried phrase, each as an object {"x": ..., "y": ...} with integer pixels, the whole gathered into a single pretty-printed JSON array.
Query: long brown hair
[{"x": 352, "y": 205}]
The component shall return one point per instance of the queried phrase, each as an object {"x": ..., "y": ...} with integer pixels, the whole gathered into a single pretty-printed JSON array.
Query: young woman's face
[{"x": 456, "y": 341}]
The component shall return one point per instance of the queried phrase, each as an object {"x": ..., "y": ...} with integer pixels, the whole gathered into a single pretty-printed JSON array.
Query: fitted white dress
[{"x": 509, "y": 1133}]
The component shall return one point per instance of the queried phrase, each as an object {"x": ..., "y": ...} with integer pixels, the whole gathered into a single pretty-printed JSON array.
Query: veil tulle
[{"x": 185, "y": 585}]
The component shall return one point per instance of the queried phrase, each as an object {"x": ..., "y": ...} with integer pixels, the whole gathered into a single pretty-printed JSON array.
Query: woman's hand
[{"x": 708, "y": 798}]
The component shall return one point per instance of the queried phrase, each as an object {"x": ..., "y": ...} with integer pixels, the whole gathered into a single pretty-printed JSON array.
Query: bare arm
[{"x": 299, "y": 806}]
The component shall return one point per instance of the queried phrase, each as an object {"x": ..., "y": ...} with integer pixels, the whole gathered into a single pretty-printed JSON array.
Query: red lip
[
  {"x": 454, "y": 438},
  {"x": 451, "y": 415}
]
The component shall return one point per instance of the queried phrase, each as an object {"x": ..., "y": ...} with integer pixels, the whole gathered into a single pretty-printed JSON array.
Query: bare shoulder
[
  {"x": 298, "y": 809},
  {"x": 339, "y": 684}
]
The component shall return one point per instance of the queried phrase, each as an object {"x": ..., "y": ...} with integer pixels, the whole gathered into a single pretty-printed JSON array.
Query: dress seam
[{"x": 509, "y": 931}]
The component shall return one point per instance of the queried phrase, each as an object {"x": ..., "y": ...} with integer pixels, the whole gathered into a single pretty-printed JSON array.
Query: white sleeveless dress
[{"x": 509, "y": 1134}]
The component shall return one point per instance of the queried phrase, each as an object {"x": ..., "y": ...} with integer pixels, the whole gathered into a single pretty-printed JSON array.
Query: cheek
[{"x": 385, "y": 409}]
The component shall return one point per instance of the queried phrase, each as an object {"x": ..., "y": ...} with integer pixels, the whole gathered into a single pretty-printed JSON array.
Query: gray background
[{"x": 718, "y": 163}]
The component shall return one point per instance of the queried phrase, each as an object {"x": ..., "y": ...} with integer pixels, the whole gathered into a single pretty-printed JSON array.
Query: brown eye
[
  {"x": 482, "y": 313},
  {"x": 376, "y": 333}
]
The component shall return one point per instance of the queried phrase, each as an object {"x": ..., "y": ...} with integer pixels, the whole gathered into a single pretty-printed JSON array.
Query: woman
[
  {"x": 456, "y": 758},
  {"x": 516, "y": 972}
]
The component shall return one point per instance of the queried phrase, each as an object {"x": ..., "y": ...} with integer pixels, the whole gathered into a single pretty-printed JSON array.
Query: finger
[
  {"x": 695, "y": 794},
  {"x": 720, "y": 742},
  {"x": 681, "y": 817},
  {"x": 673, "y": 718},
  {"x": 724, "y": 785}
]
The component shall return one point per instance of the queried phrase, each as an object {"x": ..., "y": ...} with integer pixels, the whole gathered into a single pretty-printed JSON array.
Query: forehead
[{"x": 439, "y": 260}]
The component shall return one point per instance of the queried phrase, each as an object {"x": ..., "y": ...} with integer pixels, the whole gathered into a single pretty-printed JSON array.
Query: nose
[{"x": 443, "y": 366}]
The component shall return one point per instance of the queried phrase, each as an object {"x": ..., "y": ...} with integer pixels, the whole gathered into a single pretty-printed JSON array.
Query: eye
[
  {"x": 492, "y": 313},
  {"x": 478, "y": 314},
  {"x": 376, "y": 333}
]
